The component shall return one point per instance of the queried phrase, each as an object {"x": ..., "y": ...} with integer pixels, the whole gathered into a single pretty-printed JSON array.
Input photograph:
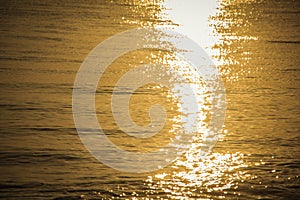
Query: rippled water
[{"x": 255, "y": 45}]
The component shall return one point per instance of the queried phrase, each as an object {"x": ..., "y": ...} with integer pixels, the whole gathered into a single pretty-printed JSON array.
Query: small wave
[{"x": 283, "y": 41}]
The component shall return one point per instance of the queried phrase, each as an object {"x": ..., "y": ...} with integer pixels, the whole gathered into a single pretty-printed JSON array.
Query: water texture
[{"x": 255, "y": 45}]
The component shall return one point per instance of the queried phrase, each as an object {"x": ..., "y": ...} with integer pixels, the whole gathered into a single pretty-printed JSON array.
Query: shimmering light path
[{"x": 255, "y": 45}]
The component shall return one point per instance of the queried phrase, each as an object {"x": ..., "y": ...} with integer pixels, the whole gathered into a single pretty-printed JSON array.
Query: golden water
[{"x": 255, "y": 45}]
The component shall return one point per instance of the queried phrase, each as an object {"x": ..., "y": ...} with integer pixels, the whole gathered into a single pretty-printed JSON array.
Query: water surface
[{"x": 255, "y": 45}]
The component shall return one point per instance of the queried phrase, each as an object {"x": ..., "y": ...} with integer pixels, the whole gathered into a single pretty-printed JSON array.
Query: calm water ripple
[{"x": 254, "y": 43}]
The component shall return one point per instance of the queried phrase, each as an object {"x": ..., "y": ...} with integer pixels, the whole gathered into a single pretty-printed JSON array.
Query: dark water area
[{"x": 43, "y": 44}]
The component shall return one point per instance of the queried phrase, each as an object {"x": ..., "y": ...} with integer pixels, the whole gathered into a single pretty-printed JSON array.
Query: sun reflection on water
[
  {"x": 207, "y": 23},
  {"x": 231, "y": 23},
  {"x": 194, "y": 175}
]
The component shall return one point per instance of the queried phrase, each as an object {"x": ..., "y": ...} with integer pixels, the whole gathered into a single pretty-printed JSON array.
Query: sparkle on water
[{"x": 193, "y": 174}]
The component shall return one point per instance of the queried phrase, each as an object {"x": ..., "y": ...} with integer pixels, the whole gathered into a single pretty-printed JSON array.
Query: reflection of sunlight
[
  {"x": 194, "y": 173},
  {"x": 205, "y": 22},
  {"x": 213, "y": 174},
  {"x": 192, "y": 19},
  {"x": 234, "y": 34}
]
